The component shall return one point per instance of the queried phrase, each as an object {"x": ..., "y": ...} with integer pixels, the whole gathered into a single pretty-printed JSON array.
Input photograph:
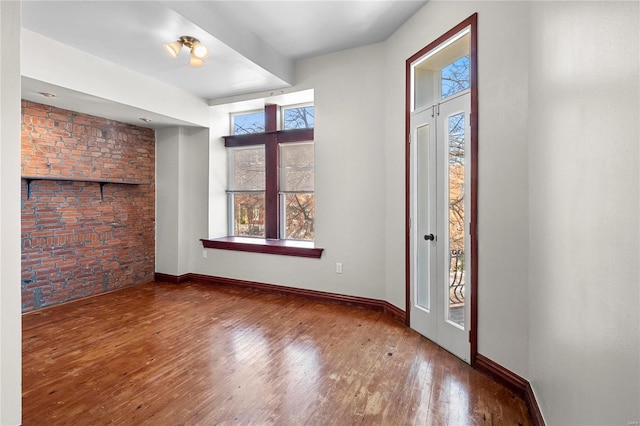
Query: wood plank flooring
[{"x": 163, "y": 354}]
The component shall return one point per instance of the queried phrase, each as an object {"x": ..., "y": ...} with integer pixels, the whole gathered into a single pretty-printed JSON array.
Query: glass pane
[
  {"x": 455, "y": 77},
  {"x": 248, "y": 215},
  {"x": 423, "y": 280},
  {"x": 456, "y": 219},
  {"x": 296, "y": 167},
  {"x": 299, "y": 210},
  {"x": 424, "y": 85},
  {"x": 248, "y": 169},
  {"x": 252, "y": 122},
  {"x": 299, "y": 118}
]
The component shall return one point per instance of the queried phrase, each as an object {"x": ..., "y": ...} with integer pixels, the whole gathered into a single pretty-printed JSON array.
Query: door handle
[{"x": 430, "y": 237}]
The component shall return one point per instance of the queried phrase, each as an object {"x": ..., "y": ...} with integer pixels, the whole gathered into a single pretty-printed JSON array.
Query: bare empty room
[{"x": 331, "y": 212}]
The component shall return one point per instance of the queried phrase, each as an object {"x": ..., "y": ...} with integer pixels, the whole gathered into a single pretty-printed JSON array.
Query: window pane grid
[{"x": 270, "y": 187}]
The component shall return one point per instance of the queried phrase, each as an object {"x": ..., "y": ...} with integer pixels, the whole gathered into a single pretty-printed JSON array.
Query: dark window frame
[{"x": 271, "y": 138}]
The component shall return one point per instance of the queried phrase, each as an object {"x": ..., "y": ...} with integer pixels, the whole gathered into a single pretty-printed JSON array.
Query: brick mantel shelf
[{"x": 102, "y": 182}]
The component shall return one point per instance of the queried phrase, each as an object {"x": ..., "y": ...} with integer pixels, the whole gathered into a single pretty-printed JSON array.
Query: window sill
[{"x": 261, "y": 245}]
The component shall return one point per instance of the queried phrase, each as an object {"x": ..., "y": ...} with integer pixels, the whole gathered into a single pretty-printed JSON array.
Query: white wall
[
  {"x": 10, "y": 331},
  {"x": 503, "y": 179},
  {"x": 584, "y": 210},
  {"x": 349, "y": 179},
  {"x": 196, "y": 161},
  {"x": 182, "y": 171},
  {"x": 168, "y": 205}
]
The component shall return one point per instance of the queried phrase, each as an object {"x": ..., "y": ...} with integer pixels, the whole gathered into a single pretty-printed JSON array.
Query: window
[
  {"x": 441, "y": 73},
  {"x": 298, "y": 117},
  {"x": 271, "y": 200},
  {"x": 271, "y": 192},
  {"x": 296, "y": 191},
  {"x": 455, "y": 77},
  {"x": 246, "y": 191},
  {"x": 247, "y": 122}
]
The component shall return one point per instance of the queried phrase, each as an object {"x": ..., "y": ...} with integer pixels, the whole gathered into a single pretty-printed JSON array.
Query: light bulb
[{"x": 200, "y": 51}]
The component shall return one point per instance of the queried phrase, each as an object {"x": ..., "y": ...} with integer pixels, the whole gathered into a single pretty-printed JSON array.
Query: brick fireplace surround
[{"x": 95, "y": 231}]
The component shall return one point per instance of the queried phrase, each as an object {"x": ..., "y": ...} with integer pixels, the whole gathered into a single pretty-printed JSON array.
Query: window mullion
[
  {"x": 271, "y": 118},
  {"x": 272, "y": 165}
]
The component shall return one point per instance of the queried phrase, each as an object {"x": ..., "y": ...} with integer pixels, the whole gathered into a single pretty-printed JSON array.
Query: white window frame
[{"x": 283, "y": 108}]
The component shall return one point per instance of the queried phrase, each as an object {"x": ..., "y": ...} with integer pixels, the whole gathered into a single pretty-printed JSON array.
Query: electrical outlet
[
  {"x": 204, "y": 254},
  {"x": 338, "y": 268}
]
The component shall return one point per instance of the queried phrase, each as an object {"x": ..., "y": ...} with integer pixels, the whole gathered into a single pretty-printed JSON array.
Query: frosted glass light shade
[
  {"x": 195, "y": 62},
  {"x": 173, "y": 48}
]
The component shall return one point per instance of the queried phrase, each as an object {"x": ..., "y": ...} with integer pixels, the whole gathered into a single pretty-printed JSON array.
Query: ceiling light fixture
[
  {"x": 48, "y": 95},
  {"x": 199, "y": 51}
]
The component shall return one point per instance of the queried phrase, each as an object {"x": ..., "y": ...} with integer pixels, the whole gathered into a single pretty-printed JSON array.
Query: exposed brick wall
[{"x": 75, "y": 244}]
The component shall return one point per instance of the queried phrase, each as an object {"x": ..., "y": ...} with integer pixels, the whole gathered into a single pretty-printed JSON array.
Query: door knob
[{"x": 430, "y": 237}]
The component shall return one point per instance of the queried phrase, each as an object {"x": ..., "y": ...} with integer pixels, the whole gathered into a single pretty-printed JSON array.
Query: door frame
[{"x": 471, "y": 23}]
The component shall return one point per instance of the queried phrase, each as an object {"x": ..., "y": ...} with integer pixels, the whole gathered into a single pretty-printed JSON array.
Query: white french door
[{"x": 440, "y": 218}]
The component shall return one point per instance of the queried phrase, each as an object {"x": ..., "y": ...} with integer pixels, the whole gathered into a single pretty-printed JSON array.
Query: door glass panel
[
  {"x": 456, "y": 281},
  {"x": 423, "y": 214}
]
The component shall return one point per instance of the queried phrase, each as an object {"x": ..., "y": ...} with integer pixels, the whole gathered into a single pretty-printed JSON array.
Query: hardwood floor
[{"x": 163, "y": 354}]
